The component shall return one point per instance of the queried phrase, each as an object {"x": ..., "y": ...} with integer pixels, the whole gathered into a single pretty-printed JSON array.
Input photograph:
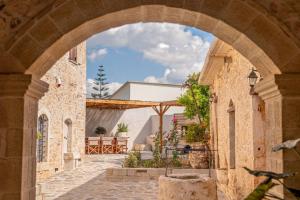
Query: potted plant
[
  {"x": 100, "y": 131},
  {"x": 122, "y": 130}
]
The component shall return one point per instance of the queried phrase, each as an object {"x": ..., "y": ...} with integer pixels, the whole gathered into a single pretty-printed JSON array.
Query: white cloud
[
  {"x": 97, "y": 54},
  {"x": 111, "y": 86},
  {"x": 170, "y": 45},
  {"x": 151, "y": 79}
]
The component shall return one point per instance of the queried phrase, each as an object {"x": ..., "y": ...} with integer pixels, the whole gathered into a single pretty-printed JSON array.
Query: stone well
[{"x": 187, "y": 186}]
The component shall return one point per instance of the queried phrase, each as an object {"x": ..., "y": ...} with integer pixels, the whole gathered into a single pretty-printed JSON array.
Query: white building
[{"x": 141, "y": 121}]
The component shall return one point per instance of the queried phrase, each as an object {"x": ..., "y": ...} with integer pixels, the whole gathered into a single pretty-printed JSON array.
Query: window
[
  {"x": 42, "y": 137},
  {"x": 73, "y": 55},
  {"x": 231, "y": 112}
]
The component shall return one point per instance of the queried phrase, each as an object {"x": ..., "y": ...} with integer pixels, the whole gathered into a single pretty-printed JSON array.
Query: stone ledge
[{"x": 123, "y": 174}]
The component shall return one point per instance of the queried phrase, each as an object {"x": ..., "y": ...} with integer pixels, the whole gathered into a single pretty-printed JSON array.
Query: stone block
[
  {"x": 206, "y": 23},
  {"x": 213, "y": 8},
  {"x": 67, "y": 16},
  {"x": 45, "y": 32},
  {"x": 153, "y": 13},
  {"x": 270, "y": 39},
  {"x": 240, "y": 14},
  {"x": 26, "y": 50},
  {"x": 193, "y": 5},
  {"x": 91, "y": 8},
  {"x": 190, "y": 18},
  {"x": 119, "y": 172},
  {"x": 109, "y": 172},
  {"x": 173, "y": 15},
  {"x": 293, "y": 64},
  {"x": 225, "y": 32},
  {"x": 131, "y": 172}
]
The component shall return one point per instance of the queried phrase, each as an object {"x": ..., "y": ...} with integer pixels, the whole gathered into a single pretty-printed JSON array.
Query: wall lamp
[{"x": 252, "y": 78}]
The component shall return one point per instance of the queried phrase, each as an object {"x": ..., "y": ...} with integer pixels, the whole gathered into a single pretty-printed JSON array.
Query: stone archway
[
  {"x": 264, "y": 28},
  {"x": 34, "y": 34}
]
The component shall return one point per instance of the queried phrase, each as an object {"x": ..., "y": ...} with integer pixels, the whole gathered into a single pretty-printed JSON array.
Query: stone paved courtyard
[{"x": 88, "y": 183}]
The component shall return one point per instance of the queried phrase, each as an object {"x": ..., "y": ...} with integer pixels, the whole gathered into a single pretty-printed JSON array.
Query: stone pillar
[
  {"x": 19, "y": 95},
  {"x": 281, "y": 94}
]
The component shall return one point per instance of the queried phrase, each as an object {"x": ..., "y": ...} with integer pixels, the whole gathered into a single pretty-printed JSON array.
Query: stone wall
[
  {"x": 232, "y": 90},
  {"x": 61, "y": 104}
]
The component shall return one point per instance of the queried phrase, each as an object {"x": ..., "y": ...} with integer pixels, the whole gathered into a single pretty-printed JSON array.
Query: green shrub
[
  {"x": 148, "y": 163},
  {"x": 137, "y": 154},
  {"x": 157, "y": 157},
  {"x": 131, "y": 161},
  {"x": 175, "y": 159},
  {"x": 195, "y": 133}
]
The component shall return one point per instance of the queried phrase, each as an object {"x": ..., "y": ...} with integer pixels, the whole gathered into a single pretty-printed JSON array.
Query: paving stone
[{"x": 88, "y": 182}]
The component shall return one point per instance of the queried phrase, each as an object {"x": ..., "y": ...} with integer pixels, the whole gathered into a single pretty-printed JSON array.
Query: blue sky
[{"x": 151, "y": 52}]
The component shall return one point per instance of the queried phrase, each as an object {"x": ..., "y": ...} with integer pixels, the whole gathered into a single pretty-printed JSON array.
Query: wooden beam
[
  {"x": 166, "y": 108},
  {"x": 156, "y": 110},
  {"x": 119, "y": 104}
]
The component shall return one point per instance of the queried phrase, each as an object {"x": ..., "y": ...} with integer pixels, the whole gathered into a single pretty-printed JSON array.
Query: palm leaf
[{"x": 260, "y": 191}]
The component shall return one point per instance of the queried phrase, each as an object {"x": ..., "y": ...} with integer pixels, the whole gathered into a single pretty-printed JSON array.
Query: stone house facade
[
  {"x": 236, "y": 122},
  {"x": 61, "y": 115}
]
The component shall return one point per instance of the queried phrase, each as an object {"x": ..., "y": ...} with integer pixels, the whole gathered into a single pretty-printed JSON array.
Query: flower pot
[
  {"x": 199, "y": 159},
  {"x": 122, "y": 134}
]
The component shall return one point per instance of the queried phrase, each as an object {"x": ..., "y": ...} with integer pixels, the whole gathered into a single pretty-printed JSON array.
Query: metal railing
[{"x": 184, "y": 151}]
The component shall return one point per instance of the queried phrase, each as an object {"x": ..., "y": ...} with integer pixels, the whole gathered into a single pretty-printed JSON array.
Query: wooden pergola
[{"x": 159, "y": 107}]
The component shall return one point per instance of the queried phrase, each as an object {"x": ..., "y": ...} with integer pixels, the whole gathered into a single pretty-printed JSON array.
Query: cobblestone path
[{"x": 88, "y": 183}]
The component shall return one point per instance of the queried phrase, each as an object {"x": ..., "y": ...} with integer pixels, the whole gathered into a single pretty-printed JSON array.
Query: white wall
[
  {"x": 154, "y": 92},
  {"x": 167, "y": 123},
  {"x": 123, "y": 93}
]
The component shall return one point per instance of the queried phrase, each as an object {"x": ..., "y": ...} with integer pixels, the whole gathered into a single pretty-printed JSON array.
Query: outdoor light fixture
[{"x": 252, "y": 78}]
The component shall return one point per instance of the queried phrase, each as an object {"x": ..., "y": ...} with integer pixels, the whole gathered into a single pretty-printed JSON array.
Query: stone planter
[
  {"x": 187, "y": 186},
  {"x": 199, "y": 159}
]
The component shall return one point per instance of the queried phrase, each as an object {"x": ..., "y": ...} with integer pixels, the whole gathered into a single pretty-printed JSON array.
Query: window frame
[
  {"x": 73, "y": 55},
  {"x": 42, "y": 148}
]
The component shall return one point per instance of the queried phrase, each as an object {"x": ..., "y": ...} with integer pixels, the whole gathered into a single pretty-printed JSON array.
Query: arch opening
[{"x": 253, "y": 35}]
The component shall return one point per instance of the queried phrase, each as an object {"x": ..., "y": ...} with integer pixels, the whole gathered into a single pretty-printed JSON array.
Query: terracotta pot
[{"x": 199, "y": 159}]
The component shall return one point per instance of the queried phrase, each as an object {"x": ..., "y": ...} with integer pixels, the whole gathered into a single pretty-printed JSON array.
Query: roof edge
[{"x": 214, "y": 61}]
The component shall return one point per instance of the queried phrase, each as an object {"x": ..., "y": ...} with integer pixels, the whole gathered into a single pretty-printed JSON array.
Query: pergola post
[{"x": 161, "y": 111}]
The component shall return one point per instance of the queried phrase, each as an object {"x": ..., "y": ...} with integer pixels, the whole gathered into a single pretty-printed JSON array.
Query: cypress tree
[{"x": 100, "y": 88}]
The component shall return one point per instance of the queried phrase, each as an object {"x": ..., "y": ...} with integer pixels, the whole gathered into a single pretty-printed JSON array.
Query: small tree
[
  {"x": 196, "y": 100},
  {"x": 101, "y": 89}
]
